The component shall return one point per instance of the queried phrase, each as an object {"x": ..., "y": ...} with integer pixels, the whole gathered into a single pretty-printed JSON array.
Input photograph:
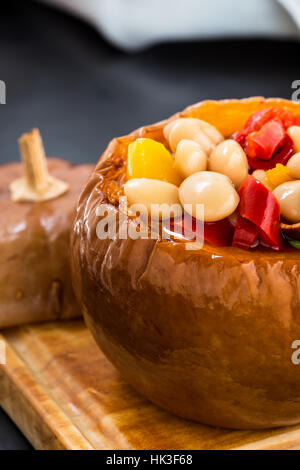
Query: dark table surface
[{"x": 64, "y": 78}]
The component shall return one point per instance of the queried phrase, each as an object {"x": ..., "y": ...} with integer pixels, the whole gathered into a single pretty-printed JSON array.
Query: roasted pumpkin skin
[{"x": 205, "y": 334}]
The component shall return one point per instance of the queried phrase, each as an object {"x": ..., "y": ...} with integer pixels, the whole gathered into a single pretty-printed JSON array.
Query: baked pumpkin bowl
[{"x": 206, "y": 332}]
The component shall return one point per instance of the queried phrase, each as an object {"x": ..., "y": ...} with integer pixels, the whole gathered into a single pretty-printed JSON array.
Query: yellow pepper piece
[
  {"x": 278, "y": 175},
  {"x": 150, "y": 159}
]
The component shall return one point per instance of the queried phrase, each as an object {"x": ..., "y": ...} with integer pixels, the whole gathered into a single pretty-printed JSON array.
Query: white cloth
[{"x": 135, "y": 24}]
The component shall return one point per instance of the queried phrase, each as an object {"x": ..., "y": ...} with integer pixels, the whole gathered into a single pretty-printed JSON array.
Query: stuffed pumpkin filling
[{"x": 248, "y": 185}]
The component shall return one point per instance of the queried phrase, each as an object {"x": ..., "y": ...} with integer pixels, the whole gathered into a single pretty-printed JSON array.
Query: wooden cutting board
[{"x": 63, "y": 394}]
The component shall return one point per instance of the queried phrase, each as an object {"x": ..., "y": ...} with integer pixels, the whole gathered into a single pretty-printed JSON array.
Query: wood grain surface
[{"x": 63, "y": 394}]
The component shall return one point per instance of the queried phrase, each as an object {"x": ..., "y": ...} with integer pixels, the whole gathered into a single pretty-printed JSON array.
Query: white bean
[
  {"x": 294, "y": 165},
  {"x": 154, "y": 197},
  {"x": 288, "y": 196},
  {"x": 190, "y": 158},
  {"x": 168, "y": 128},
  {"x": 190, "y": 129},
  {"x": 211, "y": 131},
  {"x": 294, "y": 133},
  {"x": 213, "y": 190},
  {"x": 261, "y": 176},
  {"x": 230, "y": 159}
]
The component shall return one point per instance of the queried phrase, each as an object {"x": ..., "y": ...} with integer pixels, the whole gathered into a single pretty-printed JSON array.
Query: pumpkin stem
[{"x": 36, "y": 185}]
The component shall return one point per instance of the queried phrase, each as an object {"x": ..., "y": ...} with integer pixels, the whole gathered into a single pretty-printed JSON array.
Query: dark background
[{"x": 62, "y": 77}]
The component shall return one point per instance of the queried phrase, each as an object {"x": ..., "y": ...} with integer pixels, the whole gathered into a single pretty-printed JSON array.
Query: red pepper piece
[
  {"x": 287, "y": 118},
  {"x": 260, "y": 118},
  {"x": 282, "y": 155},
  {"x": 263, "y": 143},
  {"x": 245, "y": 234},
  {"x": 240, "y": 138},
  {"x": 219, "y": 233},
  {"x": 269, "y": 243},
  {"x": 186, "y": 227},
  {"x": 254, "y": 123},
  {"x": 259, "y": 206},
  {"x": 216, "y": 233}
]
